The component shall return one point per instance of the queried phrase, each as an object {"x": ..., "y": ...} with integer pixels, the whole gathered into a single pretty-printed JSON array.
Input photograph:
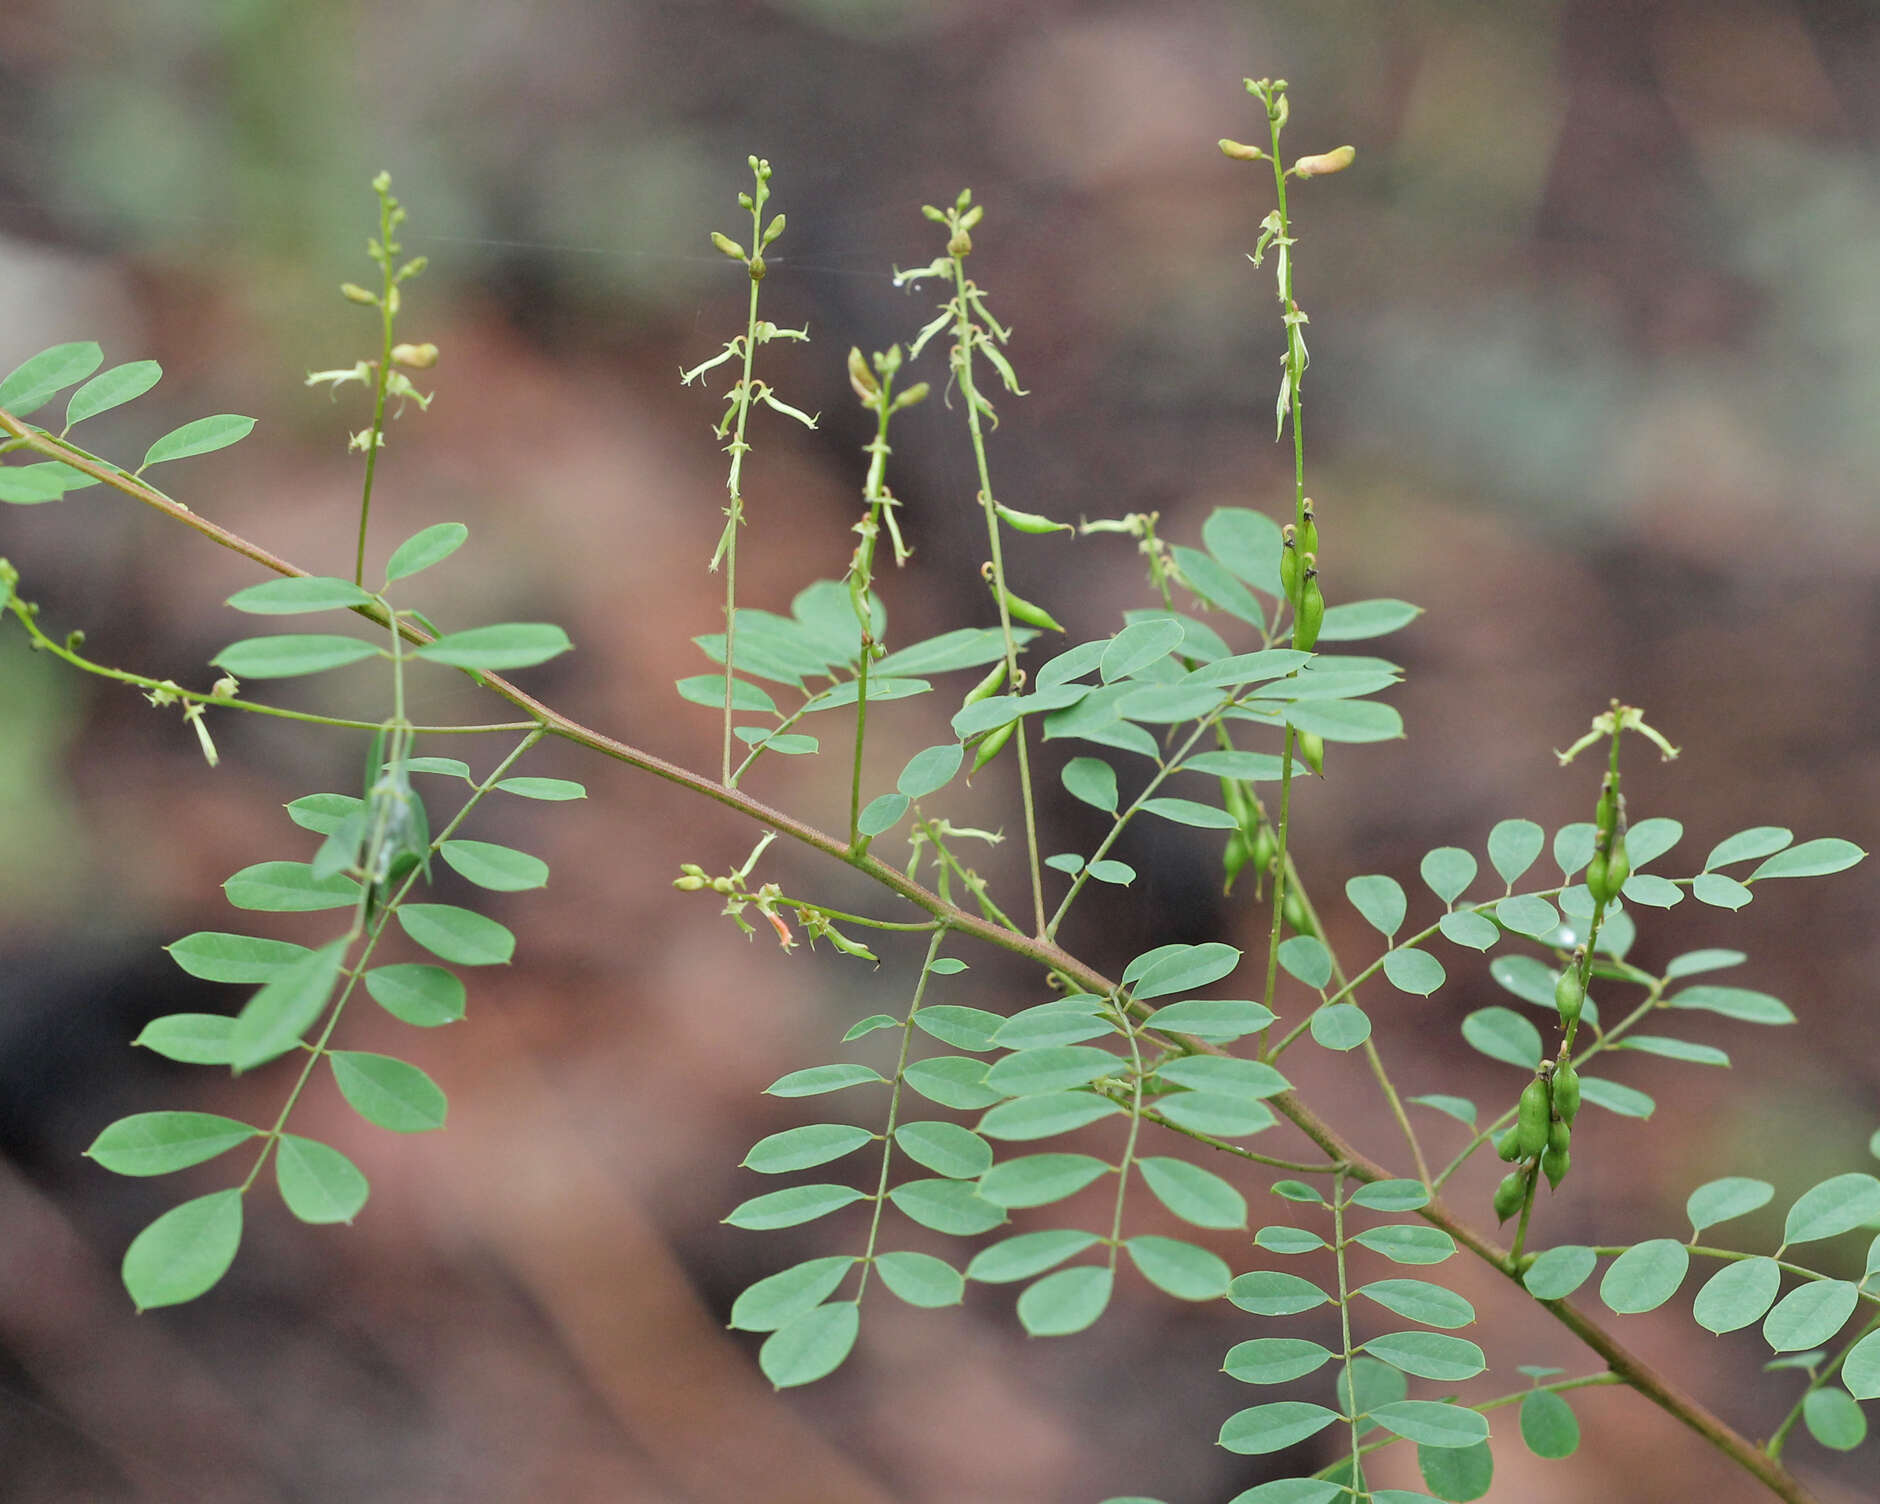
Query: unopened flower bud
[
  {"x": 1324, "y": 164},
  {"x": 772, "y": 230},
  {"x": 729, "y": 246},
  {"x": 225, "y": 688},
  {"x": 861, "y": 379},
  {"x": 1240, "y": 151},
  {"x": 758, "y": 268},
  {"x": 915, "y": 393},
  {"x": 960, "y": 245},
  {"x": 417, "y": 357},
  {"x": 352, "y": 292},
  {"x": 689, "y": 883}
]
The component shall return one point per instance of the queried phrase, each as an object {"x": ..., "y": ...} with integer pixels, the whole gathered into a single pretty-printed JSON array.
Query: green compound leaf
[
  {"x": 1216, "y": 1019},
  {"x": 1419, "y": 1300},
  {"x": 945, "y": 1148},
  {"x": 964, "y": 647},
  {"x": 1179, "y": 968},
  {"x": 1391, "y": 1196},
  {"x": 34, "y": 485},
  {"x": 1380, "y": 900},
  {"x": 502, "y": 869},
  {"x": 1513, "y": 847},
  {"x": 1341, "y": 1026},
  {"x": 1288, "y": 1240},
  {"x": 431, "y": 545},
  {"x": 709, "y": 690},
  {"x": 1297, "y": 1190},
  {"x": 1721, "y": 1200},
  {"x": 1459, "y": 1108},
  {"x": 1528, "y": 978},
  {"x": 1353, "y": 621},
  {"x": 812, "y": 1346},
  {"x": 1251, "y": 1079},
  {"x": 950, "y": 1206},
  {"x": 1414, "y": 971},
  {"x": 1046, "y": 1116},
  {"x": 1107, "y": 871},
  {"x": 1292, "y": 1491},
  {"x": 1429, "y": 1355},
  {"x": 324, "y": 814},
  {"x": 1408, "y": 1243},
  {"x": 1549, "y": 1426},
  {"x": 555, "y": 789},
  {"x": 1272, "y": 1428},
  {"x": 1054, "y": 1068},
  {"x": 1354, "y": 721},
  {"x": 792, "y": 1206},
  {"x": 1189, "y": 812},
  {"x": 1433, "y": 1423},
  {"x": 1692, "y": 962},
  {"x": 1558, "y": 1272},
  {"x": 1811, "y": 859},
  {"x": 1274, "y": 1360},
  {"x": 449, "y": 767},
  {"x": 417, "y": 994},
  {"x": 1657, "y": 892},
  {"x": 780, "y": 1298},
  {"x": 1833, "y": 1418},
  {"x": 1459, "y": 1475},
  {"x": 1574, "y": 846},
  {"x": 185, "y": 1251},
  {"x": 1269, "y": 1292},
  {"x": 1650, "y": 839},
  {"x": 1065, "y": 1302},
  {"x": 1737, "y": 1295},
  {"x": 458, "y": 935},
  {"x": 1861, "y": 1371},
  {"x": 390, "y": 1093},
  {"x": 800, "y": 1148},
  {"x": 1192, "y": 1193},
  {"x": 1733, "y": 1002},
  {"x": 1747, "y": 845},
  {"x": 1837, "y": 1205},
  {"x": 1305, "y": 958},
  {"x": 1027, "y": 1254},
  {"x": 273, "y": 1019},
  {"x": 299, "y": 593},
  {"x": 955, "y": 1081},
  {"x": 287, "y": 656},
  {"x": 288, "y": 887},
  {"x": 189, "y": 1038},
  {"x": 1205, "y": 576},
  {"x": 929, "y": 771},
  {"x": 1040, "y": 1179},
  {"x": 1466, "y": 927},
  {"x": 881, "y": 814},
  {"x": 155, "y": 1143},
  {"x": 219, "y": 957},
  {"x": 963, "y": 1028},
  {"x": 1448, "y": 871},
  {"x": 510, "y": 645},
  {"x": 1214, "y": 1113},
  {"x": 1719, "y": 892},
  {"x": 1645, "y": 1276},
  {"x": 1137, "y": 647},
  {"x": 920, "y": 1279},
  {"x": 1613, "y": 1097},
  {"x": 1675, "y": 1049},
  {"x": 1527, "y": 915},
  {"x": 1248, "y": 543},
  {"x": 204, "y": 436},
  {"x": 33, "y": 383},
  {"x": 1503, "y": 1035},
  {"x": 1810, "y": 1314},
  {"x": 818, "y": 1079},
  {"x": 1179, "y": 1269},
  {"x": 318, "y": 1183}
]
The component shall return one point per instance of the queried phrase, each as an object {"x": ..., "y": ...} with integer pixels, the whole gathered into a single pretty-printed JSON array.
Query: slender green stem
[
  {"x": 1135, "y": 1128},
  {"x": 1344, "y": 1322},
  {"x": 861, "y": 731},
  {"x": 1819, "y": 1377},
  {"x": 894, "y": 1108},
  {"x": 734, "y": 509},
  {"x": 388, "y": 314}
]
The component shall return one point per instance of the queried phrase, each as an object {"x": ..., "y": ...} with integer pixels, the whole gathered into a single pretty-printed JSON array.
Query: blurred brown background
[{"x": 1594, "y": 327}]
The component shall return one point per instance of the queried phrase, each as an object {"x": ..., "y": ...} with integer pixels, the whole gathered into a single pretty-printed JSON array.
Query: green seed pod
[
  {"x": 1618, "y": 865},
  {"x": 1311, "y": 610},
  {"x": 1570, "y": 991},
  {"x": 1297, "y": 919},
  {"x": 1596, "y": 879},
  {"x": 1030, "y": 522},
  {"x": 1234, "y": 801},
  {"x": 1309, "y": 534},
  {"x": 1289, "y": 563},
  {"x": 986, "y": 687},
  {"x": 1508, "y": 1146},
  {"x": 991, "y": 747},
  {"x": 1020, "y": 609},
  {"x": 1535, "y": 1111},
  {"x": 1567, "y": 1093},
  {"x": 1265, "y": 848},
  {"x": 1607, "y": 816},
  {"x": 1510, "y": 1194},
  {"x": 1554, "y": 1165},
  {"x": 1312, "y": 751},
  {"x": 1559, "y": 1136},
  {"x": 1236, "y": 856}
]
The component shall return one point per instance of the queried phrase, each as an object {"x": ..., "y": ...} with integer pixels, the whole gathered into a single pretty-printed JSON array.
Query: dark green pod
[
  {"x": 1559, "y": 1136},
  {"x": 1534, "y": 1114},
  {"x": 1297, "y": 919},
  {"x": 1554, "y": 1165},
  {"x": 1233, "y": 859},
  {"x": 1309, "y": 534},
  {"x": 1508, "y": 1146},
  {"x": 1570, "y": 993},
  {"x": 1288, "y": 563},
  {"x": 1312, "y": 751},
  {"x": 1311, "y": 612},
  {"x": 1510, "y": 1194},
  {"x": 991, "y": 747}
]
